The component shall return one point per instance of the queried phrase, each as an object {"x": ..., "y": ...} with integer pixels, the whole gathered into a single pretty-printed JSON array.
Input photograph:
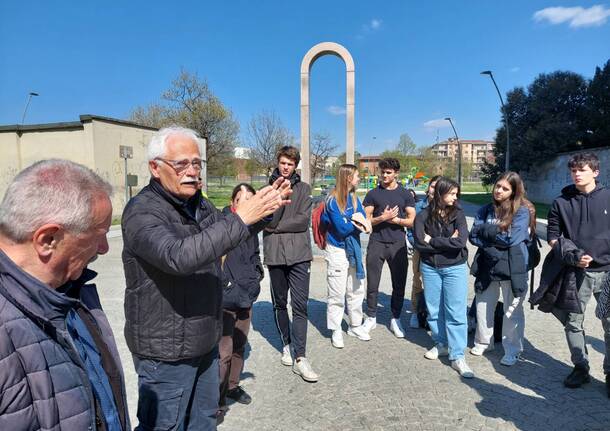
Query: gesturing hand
[
  {"x": 266, "y": 201},
  {"x": 389, "y": 214}
]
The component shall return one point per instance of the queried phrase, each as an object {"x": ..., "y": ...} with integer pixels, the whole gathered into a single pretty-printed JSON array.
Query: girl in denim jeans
[{"x": 440, "y": 237}]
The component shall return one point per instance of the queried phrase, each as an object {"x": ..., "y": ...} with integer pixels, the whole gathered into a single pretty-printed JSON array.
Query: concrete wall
[
  {"x": 545, "y": 183},
  {"x": 95, "y": 144},
  {"x": 107, "y": 138}
]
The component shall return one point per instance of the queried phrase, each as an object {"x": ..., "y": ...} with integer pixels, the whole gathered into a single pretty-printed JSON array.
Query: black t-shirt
[{"x": 380, "y": 198}]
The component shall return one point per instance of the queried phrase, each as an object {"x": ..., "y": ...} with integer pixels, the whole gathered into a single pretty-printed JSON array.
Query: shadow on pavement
[{"x": 548, "y": 403}]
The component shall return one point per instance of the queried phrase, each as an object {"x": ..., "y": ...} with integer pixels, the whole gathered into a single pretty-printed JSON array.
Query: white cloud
[
  {"x": 438, "y": 123},
  {"x": 375, "y": 23},
  {"x": 370, "y": 27},
  {"x": 335, "y": 110},
  {"x": 515, "y": 69},
  {"x": 577, "y": 17}
]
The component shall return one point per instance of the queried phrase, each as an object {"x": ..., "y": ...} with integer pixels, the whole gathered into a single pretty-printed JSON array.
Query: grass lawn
[{"x": 485, "y": 198}]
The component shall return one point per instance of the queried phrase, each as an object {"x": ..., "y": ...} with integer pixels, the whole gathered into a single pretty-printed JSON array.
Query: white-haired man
[
  {"x": 174, "y": 240},
  {"x": 59, "y": 365}
]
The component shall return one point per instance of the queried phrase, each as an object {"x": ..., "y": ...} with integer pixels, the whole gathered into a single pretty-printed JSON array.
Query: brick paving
[{"x": 386, "y": 384}]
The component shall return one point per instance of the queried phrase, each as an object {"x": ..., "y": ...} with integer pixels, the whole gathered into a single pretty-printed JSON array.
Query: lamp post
[
  {"x": 459, "y": 146},
  {"x": 27, "y": 105},
  {"x": 507, "y": 158}
]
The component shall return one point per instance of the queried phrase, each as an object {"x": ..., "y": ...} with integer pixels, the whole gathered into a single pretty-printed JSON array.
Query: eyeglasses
[{"x": 182, "y": 165}]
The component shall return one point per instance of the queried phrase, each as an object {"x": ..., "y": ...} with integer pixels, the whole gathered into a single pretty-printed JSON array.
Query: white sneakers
[
  {"x": 302, "y": 367},
  {"x": 479, "y": 349},
  {"x": 436, "y": 351},
  {"x": 337, "y": 339},
  {"x": 369, "y": 324},
  {"x": 286, "y": 356},
  {"x": 414, "y": 321},
  {"x": 359, "y": 332},
  {"x": 462, "y": 367},
  {"x": 396, "y": 328}
]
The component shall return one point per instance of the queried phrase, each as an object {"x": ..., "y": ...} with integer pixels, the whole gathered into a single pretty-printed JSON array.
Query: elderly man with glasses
[{"x": 174, "y": 240}]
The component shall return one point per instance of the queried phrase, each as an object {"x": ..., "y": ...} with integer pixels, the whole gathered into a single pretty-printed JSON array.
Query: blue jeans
[
  {"x": 445, "y": 290},
  {"x": 181, "y": 395}
]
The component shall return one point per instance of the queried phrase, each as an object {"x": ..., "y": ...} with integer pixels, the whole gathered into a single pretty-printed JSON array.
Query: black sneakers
[
  {"x": 239, "y": 395},
  {"x": 579, "y": 376}
]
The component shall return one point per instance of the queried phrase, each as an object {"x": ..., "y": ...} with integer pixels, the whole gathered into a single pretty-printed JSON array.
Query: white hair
[
  {"x": 158, "y": 144},
  {"x": 51, "y": 191}
]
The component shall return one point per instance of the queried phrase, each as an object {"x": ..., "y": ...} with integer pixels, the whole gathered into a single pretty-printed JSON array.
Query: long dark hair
[
  {"x": 506, "y": 210},
  {"x": 438, "y": 210}
]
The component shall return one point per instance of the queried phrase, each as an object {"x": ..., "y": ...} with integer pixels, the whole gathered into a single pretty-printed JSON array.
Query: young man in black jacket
[
  {"x": 581, "y": 214},
  {"x": 287, "y": 250}
]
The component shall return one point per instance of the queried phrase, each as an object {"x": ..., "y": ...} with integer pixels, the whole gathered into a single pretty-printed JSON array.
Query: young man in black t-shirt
[{"x": 391, "y": 209}]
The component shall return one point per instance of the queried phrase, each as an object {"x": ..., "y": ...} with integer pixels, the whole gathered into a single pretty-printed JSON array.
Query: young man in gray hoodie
[{"x": 287, "y": 251}]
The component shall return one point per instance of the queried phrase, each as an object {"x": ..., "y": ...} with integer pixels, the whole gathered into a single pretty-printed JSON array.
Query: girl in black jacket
[
  {"x": 242, "y": 272},
  {"x": 440, "y": 237},
  {"x": 502, "y": 230}
]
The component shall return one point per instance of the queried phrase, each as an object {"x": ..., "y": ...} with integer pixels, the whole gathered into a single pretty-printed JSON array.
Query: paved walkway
[{"x": 386, "y": 384}]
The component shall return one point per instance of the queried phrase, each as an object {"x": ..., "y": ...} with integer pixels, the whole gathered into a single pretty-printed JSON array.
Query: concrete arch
[{"x": 317, "y": 51}]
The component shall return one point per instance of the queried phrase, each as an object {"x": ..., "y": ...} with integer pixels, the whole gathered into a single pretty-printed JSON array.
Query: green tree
[
  {"x": 406, "y": 145},
  {"x": 547, "y": 118},
  {"x": 598, "y": 108},
  {"x": 341, "y": 160},
  {"x": 189, "y": 102}
]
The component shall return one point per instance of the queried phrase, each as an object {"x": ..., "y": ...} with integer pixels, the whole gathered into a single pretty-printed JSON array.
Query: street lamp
[
  {"x": 507, "y": 159},
  {"x": 459, "y": 146},
  {"x": 27, "y": 105}
]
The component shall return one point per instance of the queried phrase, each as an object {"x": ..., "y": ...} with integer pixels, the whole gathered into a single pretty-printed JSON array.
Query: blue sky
[{"x": 416, "y": 62}]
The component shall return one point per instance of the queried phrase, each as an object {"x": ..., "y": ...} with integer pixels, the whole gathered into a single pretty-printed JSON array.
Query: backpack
[
  {"x": 533, "y": 251},
  {"x": 318, "y": 226}
]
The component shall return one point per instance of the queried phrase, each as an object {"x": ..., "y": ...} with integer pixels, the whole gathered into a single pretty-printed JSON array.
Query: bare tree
[
  {"x": 189, "y": 102},
  {"x": 267, "y": 135},
  {"x": 321, "y": 149}
]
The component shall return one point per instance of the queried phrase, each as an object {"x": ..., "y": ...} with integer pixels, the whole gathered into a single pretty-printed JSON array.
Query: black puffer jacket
[
  {"x": 43, "y": 382},
  {"x": 442, "y": 251},
  {"x": 172, "y": 261},
  {"x": 558, "y": 286},
  {"x": 243, "y": 273}
]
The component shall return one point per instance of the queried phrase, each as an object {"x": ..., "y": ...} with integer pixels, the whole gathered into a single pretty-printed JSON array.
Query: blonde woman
[{"x": 343, "y": 254}]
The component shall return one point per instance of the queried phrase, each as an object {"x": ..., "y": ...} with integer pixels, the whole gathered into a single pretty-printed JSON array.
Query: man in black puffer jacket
[
  {"x": 581, "y": 214},
  {"x": 173, "y": 243}
]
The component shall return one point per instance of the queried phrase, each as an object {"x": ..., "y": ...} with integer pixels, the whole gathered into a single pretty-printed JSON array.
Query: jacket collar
[
  {"x": 294, "y": 178},
  {"x": 37, "y": 299},
  {"x": 182, "y": 205}
]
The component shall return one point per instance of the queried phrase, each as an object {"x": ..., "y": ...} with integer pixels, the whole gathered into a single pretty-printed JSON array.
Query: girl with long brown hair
[
  {"x": 502, "y": 230},
  {"x": 343, "y": 255}
]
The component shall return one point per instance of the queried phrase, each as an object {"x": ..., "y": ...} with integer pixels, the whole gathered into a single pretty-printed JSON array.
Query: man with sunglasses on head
[{"x": 174, "y": 240}]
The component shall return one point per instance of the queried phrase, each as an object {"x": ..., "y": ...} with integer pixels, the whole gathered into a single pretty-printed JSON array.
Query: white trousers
[
  {"x": 513, "y": 322},
  {"x": 343, "y": 286}
]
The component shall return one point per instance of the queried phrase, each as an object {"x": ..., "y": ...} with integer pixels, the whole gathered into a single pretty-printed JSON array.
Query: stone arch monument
[{"x": 317, "y": 51}]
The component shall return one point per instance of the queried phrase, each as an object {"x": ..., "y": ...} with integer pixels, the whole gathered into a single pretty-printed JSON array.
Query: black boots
[{"x": 579, "y": 376}]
